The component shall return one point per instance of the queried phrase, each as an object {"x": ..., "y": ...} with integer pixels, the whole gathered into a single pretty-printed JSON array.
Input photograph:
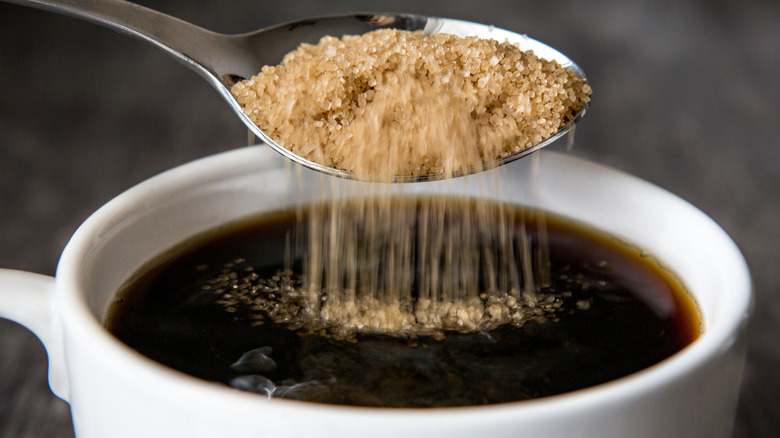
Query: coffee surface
[{"x": 607, "y": 310}]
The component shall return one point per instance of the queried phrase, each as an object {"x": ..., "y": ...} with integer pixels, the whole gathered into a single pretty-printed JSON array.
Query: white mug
[{"x": 116, "y": 392}]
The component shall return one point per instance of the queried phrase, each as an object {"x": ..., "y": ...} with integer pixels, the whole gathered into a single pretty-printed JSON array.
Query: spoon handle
[{"x": 192, "y": 45}]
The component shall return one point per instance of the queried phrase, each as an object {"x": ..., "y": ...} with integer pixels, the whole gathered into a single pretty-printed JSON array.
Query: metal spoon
[{"x": 224, "y": 60}]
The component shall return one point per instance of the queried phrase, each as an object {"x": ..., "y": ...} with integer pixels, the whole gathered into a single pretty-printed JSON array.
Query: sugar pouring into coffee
[
  {"x": 376, "y": 296},
  {"x": 397, "y": 103}
]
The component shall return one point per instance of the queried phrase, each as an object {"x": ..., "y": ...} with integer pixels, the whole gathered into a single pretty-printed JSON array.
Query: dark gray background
[{"x": 686, "y": 96}]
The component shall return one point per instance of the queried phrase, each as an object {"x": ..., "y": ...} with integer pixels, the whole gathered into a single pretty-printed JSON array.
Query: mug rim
[{"x": 76, "y": 316}]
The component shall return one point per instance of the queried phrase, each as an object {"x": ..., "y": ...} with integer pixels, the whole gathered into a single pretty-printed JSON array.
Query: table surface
[{"x": 686, "y": 96}]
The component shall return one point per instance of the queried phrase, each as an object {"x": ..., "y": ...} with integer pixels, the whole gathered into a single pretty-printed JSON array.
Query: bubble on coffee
[
  {"x": 257, "y": 360},
  {"x": 254, "y": 383}
]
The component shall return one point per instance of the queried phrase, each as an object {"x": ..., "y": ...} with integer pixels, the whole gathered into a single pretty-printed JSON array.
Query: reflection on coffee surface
[{"x": 232, "y": 306}]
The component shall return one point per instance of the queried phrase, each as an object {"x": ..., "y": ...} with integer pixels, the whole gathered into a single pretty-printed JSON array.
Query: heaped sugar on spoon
[{"x": 425, "y": 97}]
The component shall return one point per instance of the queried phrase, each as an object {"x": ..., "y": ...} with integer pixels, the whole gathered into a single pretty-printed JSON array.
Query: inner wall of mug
[{"x": 151, "y": 218}]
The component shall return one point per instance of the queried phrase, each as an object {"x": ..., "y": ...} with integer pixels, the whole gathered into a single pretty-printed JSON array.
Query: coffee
[{"x": 215, "y": 307}]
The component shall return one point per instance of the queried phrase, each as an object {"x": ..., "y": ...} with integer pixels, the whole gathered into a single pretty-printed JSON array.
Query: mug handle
[{"x": 28, "y": 299}]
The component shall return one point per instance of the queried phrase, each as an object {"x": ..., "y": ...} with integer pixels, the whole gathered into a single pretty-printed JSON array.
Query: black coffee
[{"x": 608, "y": 310}]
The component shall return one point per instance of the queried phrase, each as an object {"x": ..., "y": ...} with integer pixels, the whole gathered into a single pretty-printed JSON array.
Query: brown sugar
[{"x": 398, "y": 103}]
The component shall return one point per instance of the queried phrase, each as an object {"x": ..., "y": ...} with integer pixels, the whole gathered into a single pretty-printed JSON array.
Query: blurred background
[{"x": 685, "y": 95}]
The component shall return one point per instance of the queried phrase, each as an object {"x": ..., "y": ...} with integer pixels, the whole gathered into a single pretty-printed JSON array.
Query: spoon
[{"x": 224, "y": 60}]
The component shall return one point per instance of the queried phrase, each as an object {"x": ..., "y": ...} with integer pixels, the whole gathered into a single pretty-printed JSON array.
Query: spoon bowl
[{"x": 224, "y": 59}]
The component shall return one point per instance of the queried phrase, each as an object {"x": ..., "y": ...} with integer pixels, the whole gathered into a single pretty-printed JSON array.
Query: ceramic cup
[{"x": 115, "y": 392}]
